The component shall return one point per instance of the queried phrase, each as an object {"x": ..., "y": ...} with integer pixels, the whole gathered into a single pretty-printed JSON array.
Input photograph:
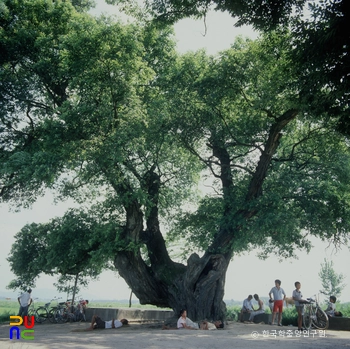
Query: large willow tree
[{"x": 109, "y": 115}]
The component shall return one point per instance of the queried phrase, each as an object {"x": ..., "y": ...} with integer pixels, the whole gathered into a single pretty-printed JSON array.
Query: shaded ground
[{"x": 236, "y": 335}]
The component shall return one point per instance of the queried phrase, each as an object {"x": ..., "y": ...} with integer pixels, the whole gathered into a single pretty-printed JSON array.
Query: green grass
[{"x": 9, "y": 307}]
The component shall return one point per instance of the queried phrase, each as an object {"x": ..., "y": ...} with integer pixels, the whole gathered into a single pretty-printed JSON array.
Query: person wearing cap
[{"x": 24, "y": 300}]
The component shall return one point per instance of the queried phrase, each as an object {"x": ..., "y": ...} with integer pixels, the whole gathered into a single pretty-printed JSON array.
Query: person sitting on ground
[
  {"x": 247, "y": 306},
  {"x": 97, "y": 322},
  {"x": 260, "y": 310},
  {"x": 185, "y": 322},
  {"x": 203, "y": 325}
]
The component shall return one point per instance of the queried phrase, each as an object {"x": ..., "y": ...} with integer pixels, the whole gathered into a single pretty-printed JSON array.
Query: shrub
[
  {"x": 290, "y": 317},
  {"x": 232, "y": 313},
  {"x": 5, "y": 316}
]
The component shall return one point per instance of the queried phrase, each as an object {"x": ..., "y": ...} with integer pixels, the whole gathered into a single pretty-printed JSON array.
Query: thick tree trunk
[
  {"x": 199, "y": 286},
  {"x": 201, "y": 289}
]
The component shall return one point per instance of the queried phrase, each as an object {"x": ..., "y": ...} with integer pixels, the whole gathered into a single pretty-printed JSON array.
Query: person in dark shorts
[{"x": 97, "y": 322}]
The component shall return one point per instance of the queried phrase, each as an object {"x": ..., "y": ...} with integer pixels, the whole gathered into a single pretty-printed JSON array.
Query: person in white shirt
[
  {"x": 331, "y": 306},
  {"x": 299, "y": 303},
  {"x": 185, "y": 322},
  {"x": 97, "y": 322},
  {"x": 278, "y": 298},
  {"x": 247, "y": 306},
  {"x": 260, "y": 310},
  {"x": 24, "y": 300}
]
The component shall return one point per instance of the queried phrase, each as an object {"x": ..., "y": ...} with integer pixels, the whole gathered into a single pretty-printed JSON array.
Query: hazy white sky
[{"x": 246, "y": 274}]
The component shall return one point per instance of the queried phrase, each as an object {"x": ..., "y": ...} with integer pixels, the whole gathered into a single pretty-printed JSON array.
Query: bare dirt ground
[{"x": 151, "y": 336}]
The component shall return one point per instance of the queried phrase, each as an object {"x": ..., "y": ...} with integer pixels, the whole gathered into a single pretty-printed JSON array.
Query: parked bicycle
[
  {"x": 314, "y": 315},
  {"x": 32, "y": 311},
  {"x": 55, "y": 311},
  {"x": 44, "y": 313}
]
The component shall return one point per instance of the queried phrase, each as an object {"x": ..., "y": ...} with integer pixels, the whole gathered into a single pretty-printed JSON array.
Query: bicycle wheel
[
  {"x": 307, "y": 318},
  {"x": 321, "y": 319},
  {"x": 32, "y": 312},
  {"x": 52, "y": 315},
  {"x": 42, "y": 314},
  {"x": 60, "y": 316}
]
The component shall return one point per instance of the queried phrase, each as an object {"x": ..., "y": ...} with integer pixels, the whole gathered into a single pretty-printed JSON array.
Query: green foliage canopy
[
  {"x": 109, "y": 114},
  {"x": 76, "y": 244}
]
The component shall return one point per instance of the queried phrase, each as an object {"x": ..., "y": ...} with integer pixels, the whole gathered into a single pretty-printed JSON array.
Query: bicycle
[
  {"x": 55, "y": 311},
  {"x": 32, "y": 311},
  {"x": 314, "y": 315},
  {"x": 62, "y": 313},
  {"x": 44, "y": 313}
]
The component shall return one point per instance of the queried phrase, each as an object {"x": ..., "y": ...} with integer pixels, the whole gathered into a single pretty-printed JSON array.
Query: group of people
[
  {"x": 276, "y": 299},
  {"x": 248, "y": 307},
  {"x": 183, "y": 323},
  {"x": 186, "y": 323}
]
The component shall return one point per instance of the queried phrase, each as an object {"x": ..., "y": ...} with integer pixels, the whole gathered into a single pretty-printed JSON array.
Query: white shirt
[
  {"x": 277, "y": 293},
  {"x": 186, "y": 321},
  {"x": 330, "y": 309},
  {"x": 180, "y": 322},
  {"x": 297, "y": 295},
  {"x": 117, "y": 324},
  {"x": 262, "y": 305},
  {"x": 247, "y": 305},
  {"x": 24, "y": 299}
]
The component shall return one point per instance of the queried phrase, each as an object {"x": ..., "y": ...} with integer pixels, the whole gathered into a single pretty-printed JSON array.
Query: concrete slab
[
  {"x": 339, "y": 323},
  {"x": 266, "y": 318}
]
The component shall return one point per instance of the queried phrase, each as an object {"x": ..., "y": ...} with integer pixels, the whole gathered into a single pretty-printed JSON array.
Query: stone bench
[
  {"x": 132, "y": 314},
  {"x": 339, "y": 323},
  {"x": 266, "y": 318}
]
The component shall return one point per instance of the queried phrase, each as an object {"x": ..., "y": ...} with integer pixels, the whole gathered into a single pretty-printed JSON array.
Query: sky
[{"x": 246, "y": 274}]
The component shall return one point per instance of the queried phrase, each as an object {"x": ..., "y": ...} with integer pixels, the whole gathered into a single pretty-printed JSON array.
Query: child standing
[
  {"x": 278, "y": 297},
  {"x": 297, "y": 297}
]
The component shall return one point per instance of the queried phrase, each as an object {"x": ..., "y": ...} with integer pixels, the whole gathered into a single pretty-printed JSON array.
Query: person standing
[
  {"x": 24, "y": 300},
  {"x": 299, "y": 304},
  {"x": 278, "y": 298}
]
